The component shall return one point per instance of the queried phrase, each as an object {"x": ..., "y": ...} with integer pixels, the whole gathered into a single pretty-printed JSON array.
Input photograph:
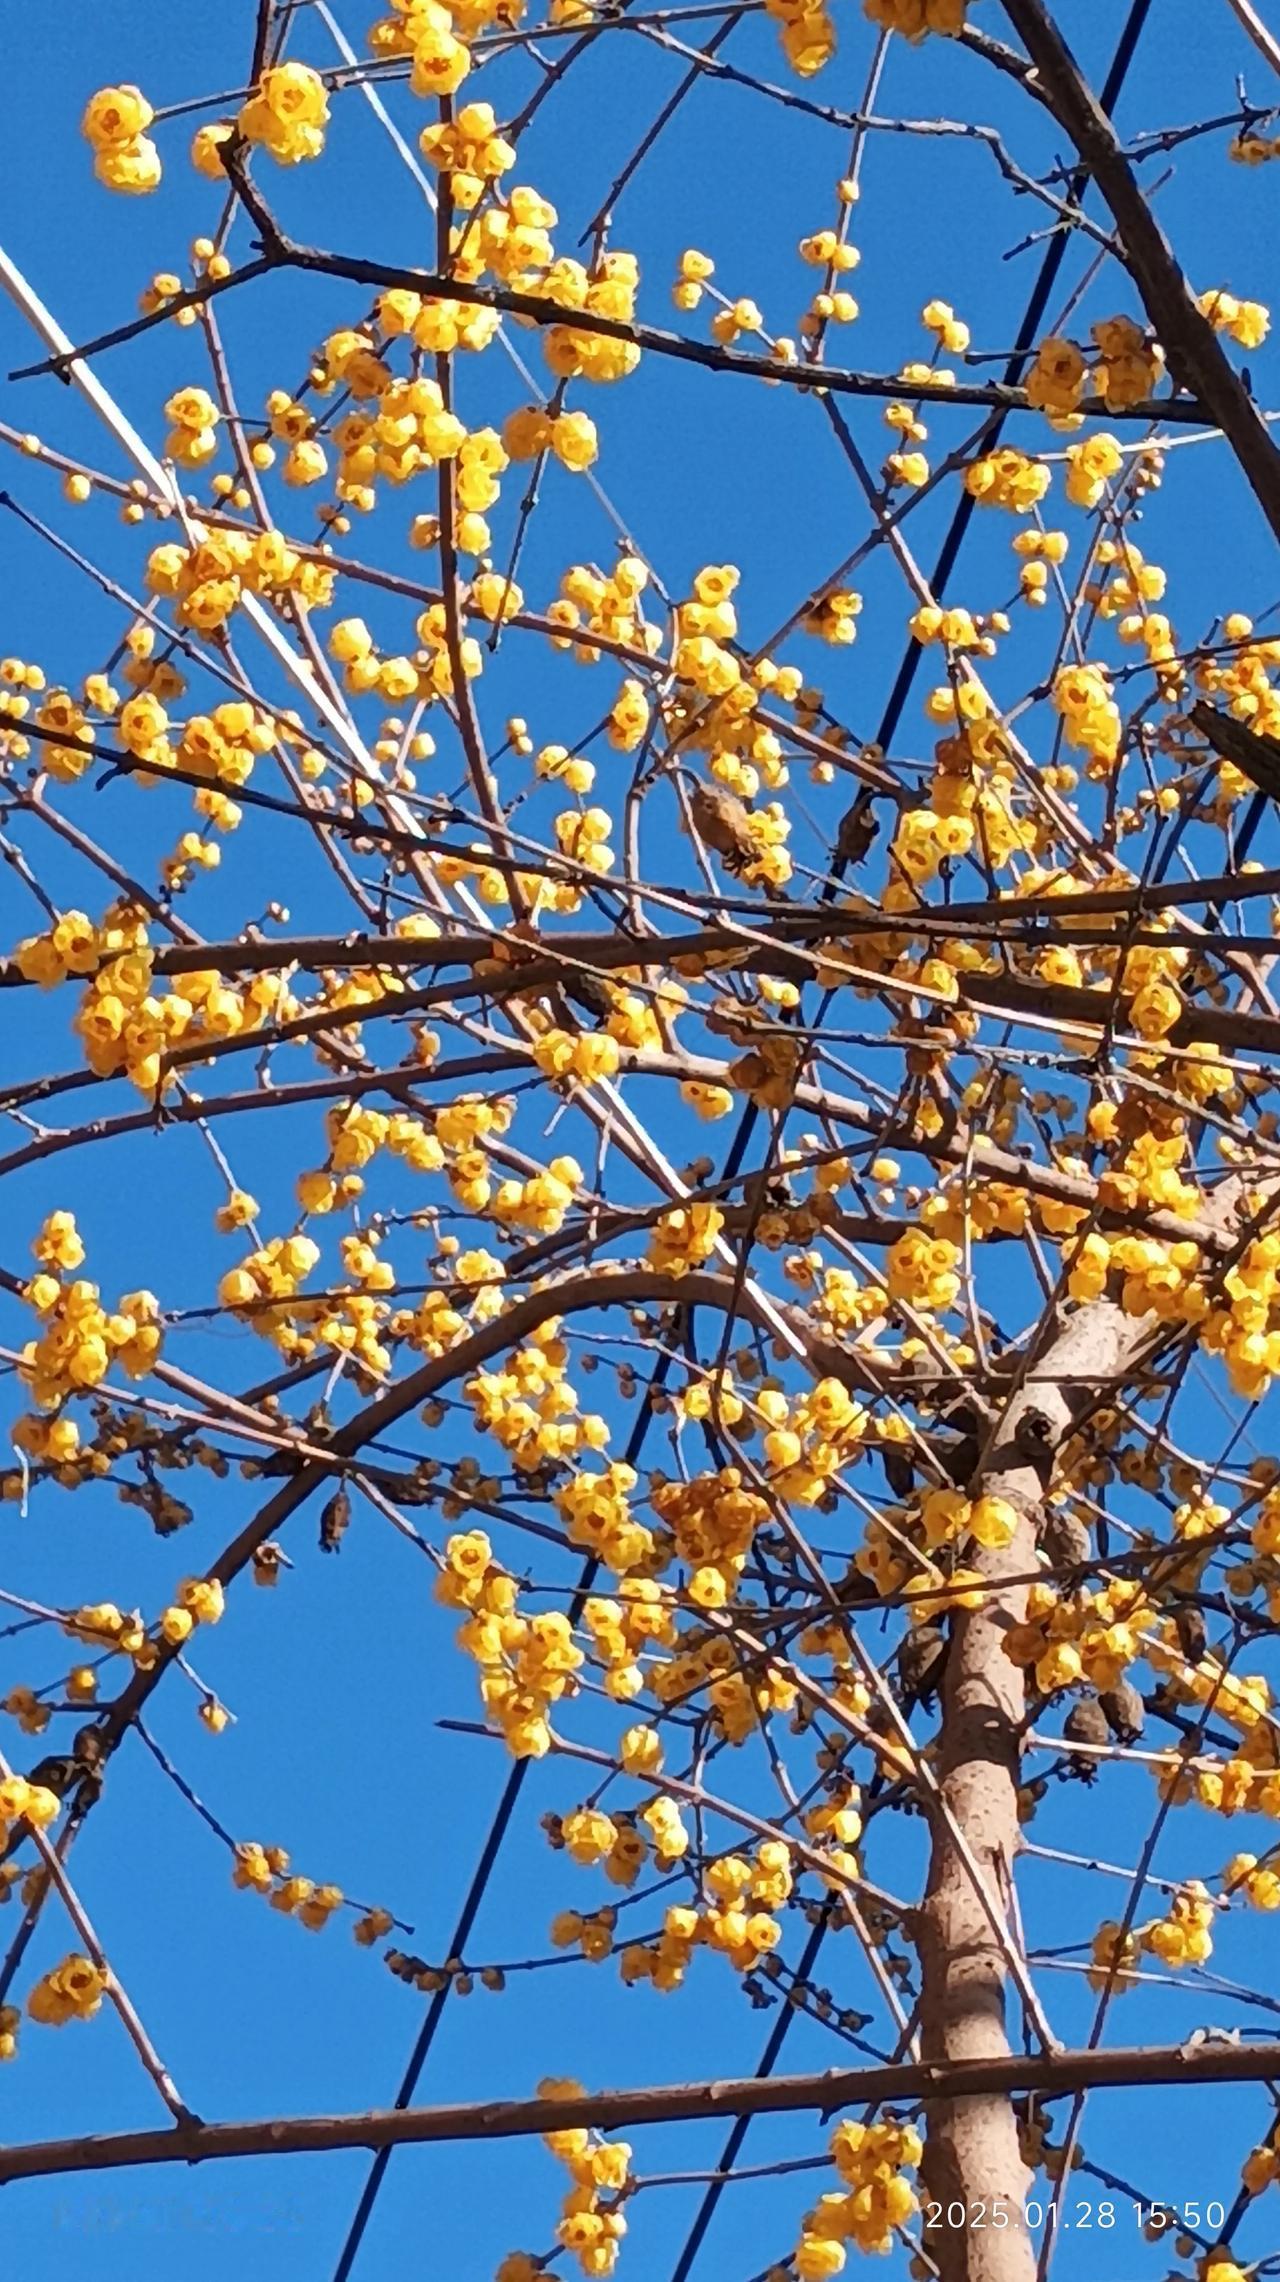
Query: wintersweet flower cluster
[
  {"x": 205, "y": 580},
  {"x": 1093, "y": 1636},
  {"x": 1008, "y": 479},
  {"x": 735, "y": 1917},
  {"x": 526, "y": 1664},
  {"x": 31, "y": 1803},
  {"x": 126, "y": 1024},
  {"x": 265, "y": 1870},
  {"x": 591, "y": 2226},
  {"x": 287, "y": 113},
  {"x": 1127, "y": 366},
  {"x": 115, "y": 124},
  {"x": 807, "y": 33},
  {"x": 876, "y": 2200},
  {"x": 71, "y": 1991},
  {"x": 78, "y": 1341},
  {"x": 913, "y": 20}
]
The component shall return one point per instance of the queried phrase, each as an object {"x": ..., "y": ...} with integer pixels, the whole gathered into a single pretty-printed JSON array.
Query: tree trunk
[{"x": 972, "y": 2165}]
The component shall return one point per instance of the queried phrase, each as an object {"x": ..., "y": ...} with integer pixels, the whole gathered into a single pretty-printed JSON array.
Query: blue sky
[{"x": 339, "y": 1680}]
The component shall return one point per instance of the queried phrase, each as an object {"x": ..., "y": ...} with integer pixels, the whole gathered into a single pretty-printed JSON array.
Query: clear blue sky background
[{"x": 338, "y": 1680}]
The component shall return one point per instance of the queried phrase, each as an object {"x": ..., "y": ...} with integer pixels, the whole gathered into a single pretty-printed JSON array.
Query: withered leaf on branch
[
  {"x": 920, "y": 1660},
  {"x": 858, "y": 829},
  {"x": 723, "y": 823},
  {"x": 333, "y": 1521},
  {"x": 1193, "y": 1637},
  {"x": 588, "y": 992},
  {"x": 1126, "y": 1714},
  {"x": 1086, "y": 1722},
  {"x": 899, "y": 1472},
  {"x": 56, "y": 1773}
]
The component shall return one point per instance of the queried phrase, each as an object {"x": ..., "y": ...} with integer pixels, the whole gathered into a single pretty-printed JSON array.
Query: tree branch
[
  {"x": 1050, "y": 2073},
  {"x": 1195, "y": 356},
  {"x": 281, "y": 252}
]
